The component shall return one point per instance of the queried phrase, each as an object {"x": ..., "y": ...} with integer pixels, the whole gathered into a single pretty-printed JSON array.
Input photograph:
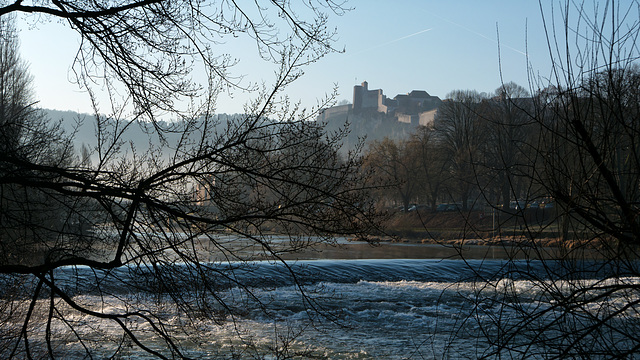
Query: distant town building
[
  {"x": 203, "y": 191},
  {"x": 416, "y": 107}
]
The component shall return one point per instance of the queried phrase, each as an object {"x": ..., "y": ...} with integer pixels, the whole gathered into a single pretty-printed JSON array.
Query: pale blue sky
[
  {"x": 397, "y": 46},
  {"x": 435, "y": 46}
]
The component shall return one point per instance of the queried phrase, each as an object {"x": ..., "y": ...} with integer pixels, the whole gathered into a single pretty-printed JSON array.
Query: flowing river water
[{"x": 392, "y": 301}]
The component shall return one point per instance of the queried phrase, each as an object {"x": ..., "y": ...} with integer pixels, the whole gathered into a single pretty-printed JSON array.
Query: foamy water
[{"x": 341, "y": 309}]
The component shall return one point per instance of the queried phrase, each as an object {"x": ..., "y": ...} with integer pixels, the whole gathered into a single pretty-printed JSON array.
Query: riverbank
[{"x": 471, "y": 228}]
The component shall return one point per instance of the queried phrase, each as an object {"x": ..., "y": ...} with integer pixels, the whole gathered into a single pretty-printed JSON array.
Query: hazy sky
[{"x": 397, "y": 46}]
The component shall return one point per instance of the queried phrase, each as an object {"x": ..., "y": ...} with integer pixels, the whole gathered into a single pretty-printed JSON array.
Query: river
[{"x": 353, "y": 301}]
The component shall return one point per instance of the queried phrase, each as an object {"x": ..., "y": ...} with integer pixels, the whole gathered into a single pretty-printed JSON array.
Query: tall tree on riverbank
[
  {"x": 463, "y": 134},
  {"x": 395, "y": 172},
  {"x": 585, "y": 156},
  {"x": 431, "y": 164},
  {"x": 29, "y": 216},
  {"x": 507, "y": 116}
]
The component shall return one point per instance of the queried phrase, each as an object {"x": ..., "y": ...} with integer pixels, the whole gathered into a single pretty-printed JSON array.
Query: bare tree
[
  {"x": 463, "y": 134},
  {"x": 395, "y": 170},
  {"x": 136, "y": 263},
  {"x": 26, "y": 137},
  {"x": 578, "y": 299},
  {"x": 14, "y": 84},
  {"x": 431, "y": 163},
  {"x": 508, "y": 119}
]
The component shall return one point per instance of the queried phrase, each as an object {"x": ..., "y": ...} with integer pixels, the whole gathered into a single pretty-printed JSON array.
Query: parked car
[
  {"x": 517, "y": 205},
  {"x": 449, "y": 207},
  {"x": 442, "y": 207},
  {"x": 415, "y": 207},
  {"x": 454, "y": 207},
  {"x": 547, "y": 205}
]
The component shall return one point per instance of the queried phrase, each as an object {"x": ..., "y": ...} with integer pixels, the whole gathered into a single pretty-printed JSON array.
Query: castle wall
[
  {"x": 427, "y": 118},
  {"x": 370, "y": 99},
  {"x": 358, "y": 91},
  {"x": 363, "y": 98},
  {"x": 404, "y": 118},
  {"x": 336, "y": 112},
  {"x": 424, "y": 118}
]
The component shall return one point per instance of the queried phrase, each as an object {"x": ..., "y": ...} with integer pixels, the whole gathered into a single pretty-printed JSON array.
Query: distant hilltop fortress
[{"x": 415, "y": 108}]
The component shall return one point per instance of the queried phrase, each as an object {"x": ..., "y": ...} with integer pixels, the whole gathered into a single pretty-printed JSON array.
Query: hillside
[{"x": 368, "y": 126}]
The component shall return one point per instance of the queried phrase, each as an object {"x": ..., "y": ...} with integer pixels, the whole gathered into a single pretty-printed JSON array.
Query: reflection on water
[
  {"x": 343, "y": 249},
  {"x": 229, "y": 247},
  {"x": 421, "y": 251}
]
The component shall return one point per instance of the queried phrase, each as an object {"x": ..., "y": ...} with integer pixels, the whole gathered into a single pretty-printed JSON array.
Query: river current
[{"x": 393, "y": 308}]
